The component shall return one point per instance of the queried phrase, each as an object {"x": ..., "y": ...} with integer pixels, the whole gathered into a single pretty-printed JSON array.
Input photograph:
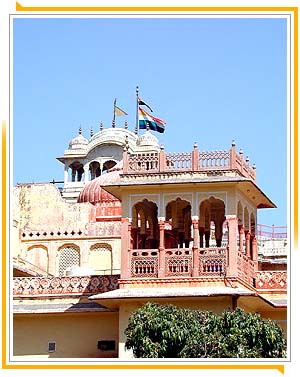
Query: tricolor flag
[
  {"x": 143, "y": 103},
  {"x": 155, "y": 124}
]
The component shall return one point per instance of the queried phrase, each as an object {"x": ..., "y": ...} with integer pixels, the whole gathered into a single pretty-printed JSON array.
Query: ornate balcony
[{"x": 180, "y": 262}]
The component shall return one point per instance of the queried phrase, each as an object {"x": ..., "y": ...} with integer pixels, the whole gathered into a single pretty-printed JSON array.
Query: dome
[
  {"x": 94, "y": 193},
  {"x": 148, "y": 140},
  {"x": 78, "y": 142}
]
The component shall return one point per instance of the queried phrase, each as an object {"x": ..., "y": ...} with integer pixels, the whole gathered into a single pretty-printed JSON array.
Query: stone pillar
[
  {"x": 201, "y": 232},
  {"x": 207, "y": 236},
  {"x": 195, "y": 158},
  {"x": 232, "y": 247},
  {"x": 125, "y": 161},
  {"x": 162, "y": 159},
  {"x": 125, "y": 249},
  {"x": 248, "y": 251},
  {"x": 161, "y": 260},
  {"x": 66, "y": 175},
  {"x": 86, "y": 173},
  {"x": 255, "y": 253},
  {"x": 195, "y": 271},
  {"x": 242, "y": 235}
]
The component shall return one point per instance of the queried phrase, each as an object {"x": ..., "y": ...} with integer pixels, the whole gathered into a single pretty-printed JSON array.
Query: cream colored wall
[{"x": 76, "y": 334}]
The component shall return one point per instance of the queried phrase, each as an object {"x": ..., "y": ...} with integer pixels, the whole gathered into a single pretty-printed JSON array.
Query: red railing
[
  {"x": 271, "y": 231},
  {"x": 196, "y": 161}
]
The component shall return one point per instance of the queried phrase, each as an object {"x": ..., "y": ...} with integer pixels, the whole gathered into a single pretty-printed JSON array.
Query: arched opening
[
  {"x": 100, "y": 259},
  {"x": 37, "y": 257},
  {"x": 77, "y": 172},
  {"x": 94, "y": 169},
  {"x": 240, "y": 214},
  {"x": 179, "y": 221},
  {"x": 212, "y": 217},
  {"x": 108, "y": 165},
  {"x": 144, "y": 228},
  {"x": 69, "y": 256}
]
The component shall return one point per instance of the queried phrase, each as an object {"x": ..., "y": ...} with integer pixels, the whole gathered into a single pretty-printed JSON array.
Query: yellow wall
[{"x": 76, "y": 334}]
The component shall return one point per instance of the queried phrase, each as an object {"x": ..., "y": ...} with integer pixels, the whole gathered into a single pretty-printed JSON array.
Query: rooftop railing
[{"x": 195, "y": 161}]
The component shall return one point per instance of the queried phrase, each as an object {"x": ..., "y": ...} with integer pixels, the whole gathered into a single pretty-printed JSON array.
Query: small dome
[
  {"x": 94, "y": 193},
  {"x": 148, "y": 140},
  {"x": 78, "y": 142}
]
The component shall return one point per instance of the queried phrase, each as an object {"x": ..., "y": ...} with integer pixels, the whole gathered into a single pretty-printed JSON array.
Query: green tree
[{"x": 167, "y": 331}]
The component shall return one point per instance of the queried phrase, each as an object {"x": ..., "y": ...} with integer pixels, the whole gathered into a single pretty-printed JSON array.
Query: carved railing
[
  {"x": 142, "y": 162},
  {"x": 144, "y": 263},
  {"x": 73, "y": 285},
  {"x": 271, "y": 280},
  {"x": 178, "y": 262},
  {"x": 212, "y": 261},
  {"x": 196, "y": 161},
  {"x": 178, "y": 161},
  {"x": 214, "y": 160},
  {"x": 245, "y": 268}
]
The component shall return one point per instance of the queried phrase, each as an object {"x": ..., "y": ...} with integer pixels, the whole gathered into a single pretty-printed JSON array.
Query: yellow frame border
[{"x": 20, "y": 8}]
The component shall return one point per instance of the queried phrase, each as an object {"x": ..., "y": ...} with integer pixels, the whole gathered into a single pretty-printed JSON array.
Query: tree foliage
[{"x": 167, "y": 331}]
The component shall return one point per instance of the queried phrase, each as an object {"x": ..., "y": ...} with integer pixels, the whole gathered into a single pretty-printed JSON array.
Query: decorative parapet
[
  {"x": 73, "y": 285},
  {"x": 245, "y": 268},
  {"x": 271, "y": 280},
  {"x": 196, "y": 161},
  {"x": 178, "y": 262}
]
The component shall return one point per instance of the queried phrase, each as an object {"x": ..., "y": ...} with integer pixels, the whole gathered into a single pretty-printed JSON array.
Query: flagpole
[
  {"x": 137, "y": 110},
  {"x": 114, "y": 118}
]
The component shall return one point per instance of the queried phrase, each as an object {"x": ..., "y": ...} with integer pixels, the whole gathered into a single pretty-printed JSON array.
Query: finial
[
  {"x": 247, "y": 159},
  {"x": 162, "y": 147},
  {"x": 113, "y": 124},
  {"x": 241, "y": 151},
  {"x": 126, "y": 125},
  {"x": 254, "y": 166},
  {"x": 137, "y": 90},
  {"x": 92, "y": 132},
  {"x": 195, "y": 145},
  {"x": 126, "y": 145},
  {"x": 80, "y": 130},
  {"x": 101, "y": 126},
  {"x": 233, "y": 143}
]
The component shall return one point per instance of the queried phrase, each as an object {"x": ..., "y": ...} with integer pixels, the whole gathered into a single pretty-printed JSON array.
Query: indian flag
[{"x": 154, "y": 124}]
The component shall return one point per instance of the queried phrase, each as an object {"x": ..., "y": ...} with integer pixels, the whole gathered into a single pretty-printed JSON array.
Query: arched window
[
  {"x": 37, "y": 256},
  {"x": 100, "y": 259},
  {"x": 69, "y": 256}
]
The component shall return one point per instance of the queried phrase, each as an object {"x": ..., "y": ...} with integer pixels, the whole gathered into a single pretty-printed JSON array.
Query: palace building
[{"x": 134, "y": 223}]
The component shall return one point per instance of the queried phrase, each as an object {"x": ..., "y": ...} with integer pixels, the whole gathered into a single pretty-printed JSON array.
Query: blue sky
[{"x": 211, "y": 79}]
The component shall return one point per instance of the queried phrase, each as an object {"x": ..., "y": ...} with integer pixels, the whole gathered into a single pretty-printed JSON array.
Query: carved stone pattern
[
  {"x": 178, "y": 161},
  {"x": 144, "y": 263},
  {"x": 179, "y": 262},
  {"x": 143, "y": 162},
  {"x": 214, "y": 159},
  {"x": 212, "y": 262},
  {"x": 64, "y": 285},
  {"x": 271, "y": 280}
]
